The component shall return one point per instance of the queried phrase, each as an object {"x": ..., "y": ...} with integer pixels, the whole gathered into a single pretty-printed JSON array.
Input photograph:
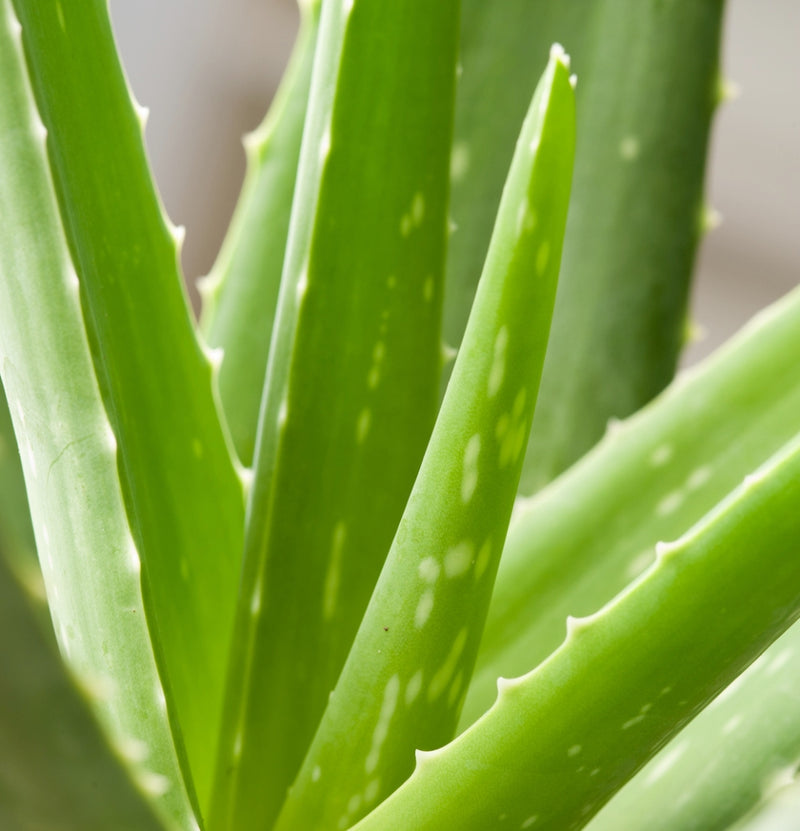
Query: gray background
[{"x": 208, "y": 68}]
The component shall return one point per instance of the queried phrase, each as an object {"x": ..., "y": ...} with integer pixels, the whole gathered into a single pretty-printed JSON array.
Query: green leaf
[
  {"x": 183, "y": 495},
  {"x": 16, "y": 533},
  {"x": 648, "y": 76},
  {"x": 404, "y": 679},
  {"x": 354, "y": 365},
  {"x": 89, "y": 562},
  {"x": 57, "y": 771},
  {"x": 734, "y": 758},
  {"x": 560, "y": 740},
  {"x": 584, "y": 538},
  {"x": 240, "y": 296}
]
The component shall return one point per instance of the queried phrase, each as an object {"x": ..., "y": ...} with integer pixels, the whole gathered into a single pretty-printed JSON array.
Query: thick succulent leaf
[
  {"x": 57, "y": 771},
  {"x": 89, "y": 561},
  {"x": 635, "y": 212},
  {"x": 404, "y": 680},
  {"x": 16, "y": 533},
  {"x": 732, "y": 759},
  {"x": 240, "y": 296},
  {"x": 181, "y": 490},
  {"x": 561, "y": 740},
  {"x": 354, "y": 365},
  {"x": 581, "y": 540},
  {"x": 650, "y": 479}
]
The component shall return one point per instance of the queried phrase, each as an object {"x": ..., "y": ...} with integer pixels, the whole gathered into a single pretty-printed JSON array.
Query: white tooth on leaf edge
[
  {"x": 214, "y": 356},
  {"x": 557, "y": 53}
]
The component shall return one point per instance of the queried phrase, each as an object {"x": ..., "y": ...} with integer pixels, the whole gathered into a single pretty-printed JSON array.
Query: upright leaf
[
  {"x": 16, "y": 534},
  {"x": 240, "y": 296},
  {"x": 354, "y": 365},
  {"x": 649, "y": 75},
  {"x": 404, "y": 680},
  {"x": 89, "y": 562},
  {"x": 181, "y": 490}
]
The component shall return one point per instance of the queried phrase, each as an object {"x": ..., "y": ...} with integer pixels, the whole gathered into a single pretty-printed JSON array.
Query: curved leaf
[
  {"x": 580, "y": 541},
  {"x": 561, "y": 740}
]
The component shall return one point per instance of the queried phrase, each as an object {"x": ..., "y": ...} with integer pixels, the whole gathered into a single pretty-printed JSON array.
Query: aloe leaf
[
  {"x": 635, "y": 212},
  {"x": 183, "y": 495},
  {"x": 240, "y": 295},
  {"x": 404, "y": 679},
  {"x": 89, "y": 562},
  {"x": 16, "y": 533},
  {"x": 354, "y": 364},
  {"x": 561, "y": 740},
  {"x": 732, "y": 760},
  {"x": 585, "y": 537},
  {"x": 57, "y": 771}
]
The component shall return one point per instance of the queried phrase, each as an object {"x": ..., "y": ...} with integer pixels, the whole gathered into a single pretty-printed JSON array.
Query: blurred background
[{"x": 207, "y": 70}]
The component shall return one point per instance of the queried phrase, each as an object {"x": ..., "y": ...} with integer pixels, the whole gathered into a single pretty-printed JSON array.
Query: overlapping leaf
[
  {"x": 561, "y": 740},
  {"x": 182, "y": 493},
  {"x": 405, "y": 677},
  {"x": 352, "y": 381},
  {"x": 648, "y": 86},
  {"x": 240, "y": 296},
  {"x": 89, "y": 562}
]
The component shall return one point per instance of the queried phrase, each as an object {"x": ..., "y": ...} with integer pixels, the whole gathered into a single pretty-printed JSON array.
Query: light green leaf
[
  {"x": 560, "y": 740},
  {"x": 404, "y": 679},
  {"x": 583, "y": 539},
  {"x": 16, "y": 534},
  {"x": 648, "y": 85},
  {"x": 352, "y": 382},
  {"x": 733, "y": 758},
  {"x": 240, "y": 296},
  {"x": 89, "y": 562},
  {"x": 57, "y": 771},
  {"x": 183, "y": 496}
]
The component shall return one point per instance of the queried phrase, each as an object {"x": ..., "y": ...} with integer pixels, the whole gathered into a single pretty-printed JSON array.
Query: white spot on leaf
[
  {"x": 661, "y": 455},
  {"x": 429, "y": 570},
  {"x": 459, "y": 161},
  {"x": 458, "y": 559},
  {"x": 424, "y": 609},
  {"x": 469, "y": 479},
  {"x": 413, "y": 688},
  {"x": 388, "y": 706},
  {"x": 497, "y": 372},
  {"x": 363, "y": 425},
  {"x": 629, "y": 148}
]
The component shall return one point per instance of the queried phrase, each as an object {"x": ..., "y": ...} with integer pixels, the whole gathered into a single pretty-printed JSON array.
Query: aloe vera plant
[{"x": 299, "y": 564}]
